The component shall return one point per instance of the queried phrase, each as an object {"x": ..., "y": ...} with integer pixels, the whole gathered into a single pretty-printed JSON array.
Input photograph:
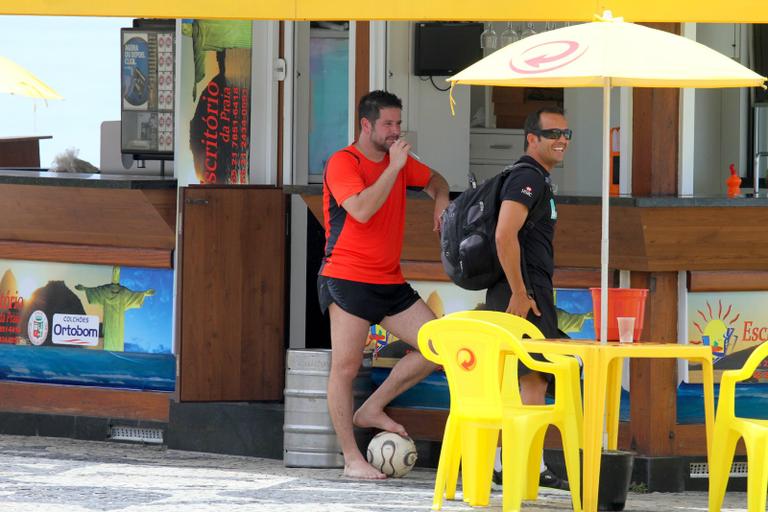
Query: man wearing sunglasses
[{"x": 524, "y": 234}]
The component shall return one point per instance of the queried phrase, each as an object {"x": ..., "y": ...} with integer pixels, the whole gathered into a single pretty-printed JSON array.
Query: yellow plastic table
[{"x": 602, "y": 384}]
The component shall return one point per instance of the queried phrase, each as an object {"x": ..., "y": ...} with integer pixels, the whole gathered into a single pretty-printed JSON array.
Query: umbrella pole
[{"x": 605, "y": 193}]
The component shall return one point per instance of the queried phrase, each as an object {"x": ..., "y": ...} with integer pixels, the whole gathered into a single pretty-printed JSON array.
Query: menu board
[{"x": 147, "y": 68}]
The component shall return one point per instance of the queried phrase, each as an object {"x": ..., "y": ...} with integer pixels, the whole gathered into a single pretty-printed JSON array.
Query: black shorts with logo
[{"x": 371, "y": 302}]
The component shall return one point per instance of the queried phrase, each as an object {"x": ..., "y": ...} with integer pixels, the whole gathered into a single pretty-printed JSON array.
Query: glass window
[{"x": 329, "y": 93}]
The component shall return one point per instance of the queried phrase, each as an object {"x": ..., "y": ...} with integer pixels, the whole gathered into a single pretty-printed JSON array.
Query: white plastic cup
[{"x": 626, "y": 328}]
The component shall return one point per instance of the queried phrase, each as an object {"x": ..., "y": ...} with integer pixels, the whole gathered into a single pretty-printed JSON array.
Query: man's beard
[{"x": 383, "y": 146}]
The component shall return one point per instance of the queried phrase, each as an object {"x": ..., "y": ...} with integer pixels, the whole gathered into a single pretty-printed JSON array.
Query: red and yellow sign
[{"x": 732, "y": 324}]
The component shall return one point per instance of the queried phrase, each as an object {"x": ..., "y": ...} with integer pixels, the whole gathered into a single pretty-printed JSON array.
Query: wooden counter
[
  {"x": 665, "y": 234},
  {"x": 21, "y": 151},
  {"x": 92, "y": 219},
  {"x": 87, "y": 218},
  {"x": 653, "y": 234}
]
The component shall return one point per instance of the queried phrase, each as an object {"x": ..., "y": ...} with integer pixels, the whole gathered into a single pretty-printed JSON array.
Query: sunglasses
[{"x": 554, "y": 133}]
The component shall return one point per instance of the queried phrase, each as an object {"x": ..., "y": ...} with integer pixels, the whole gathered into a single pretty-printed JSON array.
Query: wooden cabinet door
[{"x": 232, "y": 343}]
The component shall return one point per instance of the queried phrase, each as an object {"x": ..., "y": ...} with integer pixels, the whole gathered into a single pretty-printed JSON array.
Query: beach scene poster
[
  {"x": 103, "y": 325},
  {"x": 574, "y": 315}
]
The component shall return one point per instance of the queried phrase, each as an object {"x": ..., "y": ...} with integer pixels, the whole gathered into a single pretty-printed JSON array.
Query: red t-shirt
[{"x": 365, "y": 252}]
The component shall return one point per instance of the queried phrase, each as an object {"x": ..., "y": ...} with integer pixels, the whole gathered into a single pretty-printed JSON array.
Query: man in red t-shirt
[{"x": 360, "y": 282}]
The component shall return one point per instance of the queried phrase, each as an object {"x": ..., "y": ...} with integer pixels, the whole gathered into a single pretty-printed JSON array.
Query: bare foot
[
  {"x": 365, "y": 418},
  {"x": 360, "y": 469}
]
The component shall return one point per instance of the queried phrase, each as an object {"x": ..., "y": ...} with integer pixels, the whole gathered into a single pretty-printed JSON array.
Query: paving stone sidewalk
[{"x": 53, "y": 474}]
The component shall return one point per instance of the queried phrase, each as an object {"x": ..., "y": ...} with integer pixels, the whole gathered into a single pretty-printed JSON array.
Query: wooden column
[
  {"x": 362, "y": 64},
  {"x": 653, "y": 383},
  {"x": 655, "y": 140}
]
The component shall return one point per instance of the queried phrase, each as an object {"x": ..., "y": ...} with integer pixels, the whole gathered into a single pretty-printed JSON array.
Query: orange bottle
[{"x": 733, "y": 182}]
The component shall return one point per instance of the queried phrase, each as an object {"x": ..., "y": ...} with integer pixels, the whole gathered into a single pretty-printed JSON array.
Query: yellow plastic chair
[
  {"x": 728, "y": 429},
  {"x": 522, "y": 329},
  {"x": 472, "y": 352}
]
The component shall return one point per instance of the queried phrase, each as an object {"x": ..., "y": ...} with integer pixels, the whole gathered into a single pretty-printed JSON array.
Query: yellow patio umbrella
[
  {"x": 606, "y": 53},
  {"x": 14, "y": 79}
]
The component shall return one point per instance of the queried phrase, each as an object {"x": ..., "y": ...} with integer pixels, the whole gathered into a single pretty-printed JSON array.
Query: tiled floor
[{"x": 53, "y": 474}]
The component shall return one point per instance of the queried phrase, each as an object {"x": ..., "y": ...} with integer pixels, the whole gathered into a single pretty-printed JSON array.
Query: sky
[{"x": 80, "y": 59}]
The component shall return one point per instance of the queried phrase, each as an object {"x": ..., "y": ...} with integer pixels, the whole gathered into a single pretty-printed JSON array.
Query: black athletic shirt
[{"x": 528, "y": 187}]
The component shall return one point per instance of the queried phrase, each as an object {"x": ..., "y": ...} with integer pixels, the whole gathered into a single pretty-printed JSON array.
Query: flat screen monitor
[{"x": 443, "y": 49}]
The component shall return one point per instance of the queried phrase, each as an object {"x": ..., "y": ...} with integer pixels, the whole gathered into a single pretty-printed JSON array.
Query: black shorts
[
  {"x": 372, "y": 302},
  {"x": 497, "y": 299}
]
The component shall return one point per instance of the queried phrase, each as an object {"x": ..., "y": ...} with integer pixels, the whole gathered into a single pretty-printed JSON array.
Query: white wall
[
  {"x": 719, "y": 119},
  {"x": 707, "y": 135},
  {"x": 734, "y": 132},
  {"x": 440, "y": 139},
  {"x": 582, "y": 167}
]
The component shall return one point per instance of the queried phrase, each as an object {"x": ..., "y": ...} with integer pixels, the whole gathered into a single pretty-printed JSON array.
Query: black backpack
[{"x": 468, "y": 232}]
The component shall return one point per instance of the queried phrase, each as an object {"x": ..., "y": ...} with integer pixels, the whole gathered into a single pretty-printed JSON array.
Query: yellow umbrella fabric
[
  {"x": 605, "y": 53},
  {"x": 14, "y": 79},
  {"x": 628, "y": 54}
]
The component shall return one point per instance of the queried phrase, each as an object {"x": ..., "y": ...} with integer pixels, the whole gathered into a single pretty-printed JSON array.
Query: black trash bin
[{"x": 615, "y": 476}]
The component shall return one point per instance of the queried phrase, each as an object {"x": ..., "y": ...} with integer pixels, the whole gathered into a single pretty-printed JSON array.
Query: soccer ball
[{"x": 392, "y": 454}]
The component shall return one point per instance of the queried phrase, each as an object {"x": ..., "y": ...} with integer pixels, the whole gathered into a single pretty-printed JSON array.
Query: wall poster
[
  {"x": 148, "y": 77},
  {"x": 215, "y": 104},
  {"x": 733, "y": 324},
  {"x": 86, "y": 324}
]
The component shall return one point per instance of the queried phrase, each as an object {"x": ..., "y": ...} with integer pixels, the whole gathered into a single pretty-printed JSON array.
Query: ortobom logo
[
  {"x": 71, "y": 329},
  {"x": 37, "y": 327}
]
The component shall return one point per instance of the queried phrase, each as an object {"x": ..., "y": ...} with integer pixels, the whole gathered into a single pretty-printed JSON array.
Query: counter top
[
  {"x": 745, "y": 200},
  {"x": 25, "y": 138},
  {"x": 316, "y": 189},
  {"x": 647, "y": 234},
  {"x": 70, "y": 179}
]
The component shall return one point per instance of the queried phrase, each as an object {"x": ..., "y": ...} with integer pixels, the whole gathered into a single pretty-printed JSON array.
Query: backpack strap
[
  {"x": 534, "y": 215},
  {"x": 325, "y": 169}
]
